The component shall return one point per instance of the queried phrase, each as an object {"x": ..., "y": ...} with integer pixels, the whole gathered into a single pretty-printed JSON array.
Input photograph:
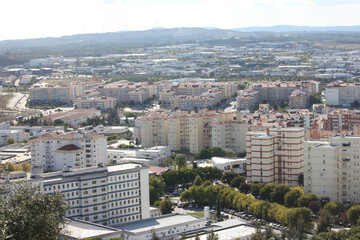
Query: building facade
[
  {"x": 56, "y": 151},
  {"x": 331, "y": 169},
  {"x": 275, "y": 156}
]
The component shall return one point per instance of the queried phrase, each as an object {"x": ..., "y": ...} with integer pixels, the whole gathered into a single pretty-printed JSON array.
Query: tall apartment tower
[
  {"x": 332, "y": 169},
  {"x": 275, "y": 156}
]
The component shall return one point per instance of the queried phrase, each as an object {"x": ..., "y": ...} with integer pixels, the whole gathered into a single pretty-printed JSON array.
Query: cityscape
[{"x": 183, "y": 132}]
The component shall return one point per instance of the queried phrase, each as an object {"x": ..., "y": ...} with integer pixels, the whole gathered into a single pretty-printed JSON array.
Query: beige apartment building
[
  {"x": 121, "y": 90},
  {"x": 49, "y": 93},
  {"x": 332, "y": 169},
  {"x": 193, "y": 131},
  {"x": 274, "y": 92},
  {"x": 275, "y": 156},
  {"x": 102, "y": 103},
  {"x": 229, "y": 131},
  {"x": 298, "y": 99},
  {"x": 154, "y": 129}
]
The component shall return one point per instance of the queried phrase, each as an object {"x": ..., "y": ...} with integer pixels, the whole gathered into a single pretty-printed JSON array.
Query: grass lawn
[{"x": 197, "y": 214}]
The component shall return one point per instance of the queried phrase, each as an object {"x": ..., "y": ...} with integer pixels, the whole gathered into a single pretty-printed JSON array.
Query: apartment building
[
  {"x": 331, "y": 169},
  {"x": 229, "y": 131},
  {"x": 277, "y": 92},
  {"x": 125, "y": 91},
  {"x": 44, "y": 92},
  {"x": 56, "y": 151},
  {"x": 248, "y": 100},
  {"x": 200, "y": 125},
  {"x": 156, "y": 154},
  {"x": 104, "y": 195},
  {"x": 102, "y": 103},
  {"x": 154, "y": 129},
  {"x": 343, "y": 119},
  {"x": 340, "y": 93},
  {"x": 275, "y": 156},
  {"x": 298, "y": 99},
  {"x": 189, "y": 103}
]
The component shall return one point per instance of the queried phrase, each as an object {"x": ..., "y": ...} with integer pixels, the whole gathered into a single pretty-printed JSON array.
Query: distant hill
[
  {"x": 152, "y": 35},
  {"x": 290, "y": 28}
]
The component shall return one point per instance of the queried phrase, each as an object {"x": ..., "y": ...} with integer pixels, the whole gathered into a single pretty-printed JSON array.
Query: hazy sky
[{"x": 42, "y": 18}]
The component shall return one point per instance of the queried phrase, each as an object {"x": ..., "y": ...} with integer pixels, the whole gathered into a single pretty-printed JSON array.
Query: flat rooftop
[
  {"x": 165, "y": 221},
  {"x": 80, "y": 230}
]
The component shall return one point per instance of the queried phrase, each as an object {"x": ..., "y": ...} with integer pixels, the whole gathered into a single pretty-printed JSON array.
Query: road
[{"x": 18, "y": 101}]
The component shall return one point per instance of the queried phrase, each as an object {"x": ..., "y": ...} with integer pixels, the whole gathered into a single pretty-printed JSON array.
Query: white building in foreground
[
  {"x": 332, "y": 169},
  {"x": 105, "y": 195},
  {"x": 155, "y": 154}
]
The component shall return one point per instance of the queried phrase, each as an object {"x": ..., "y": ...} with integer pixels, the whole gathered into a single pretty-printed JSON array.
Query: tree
[
  {"x": 334, "y": 209},
  {"x": 155, "y": 237},
  {"x": 197, "y": 181},
  {"x": 265, "y": 191},
  {"x": 34, "y": 215},
  {"x": 323, "y": 222},
  {"x": 299, "y": 221},
  {"x": 10, "y": 140},
  {"x": 237, "y": 181},
  {"x": 353, "y": 213},
  {"x": 278, "y": 193},
  {"x": 292, "y": 196},
  {"x": 315, "y": 206},
  {"x": 255, "y": 189},
  {"x": 227, "y": 177},
  {"x": 218, "y": 207},
  {"x": 212, "y": 236},
  {"x": 353, "y": 233},
  {"x": 24, "y": 140},
  {"x": 305, "y": 200},
  {"x": 244, "y": 188},
  {"x": 26, "y": 167},
  {"x": 218, "y": 152},
  {"x": 156, "y": 187},
  {"x": 203, "y": 154},
  {"x": 180, "y": 161},
  {"x": 58, "y": 122},
  {"x": 166, "y": 206}
]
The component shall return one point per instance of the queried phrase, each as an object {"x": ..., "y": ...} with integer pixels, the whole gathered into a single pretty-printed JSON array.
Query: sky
[{"x": 21, "y": 19}]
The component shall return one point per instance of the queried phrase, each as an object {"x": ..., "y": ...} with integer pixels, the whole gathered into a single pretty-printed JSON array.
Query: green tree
[
  {"x": 255, "y": 189},
  {"x": 180, "y": 161},
  {"x": 203, "y": 154},
  {"x": 292, "y": 196},
  {"x": 58, "y": 122},
  {"x": 10, "y": 140},
  {"x": 305, "y": 200},
  {"x": 323, "y": 222},
  {"x": 26, "y": 167},
  {"x": 237, "y": 181},
  {"x": 278, "y": 193},
  {"x": 34, "y": 215},
  {"x": 299, "y": 221},
  {"x": 166, "y": 206},
  {"x": 212, "y": 236},
  {"x": 265, "y": 191},
  {"x": 334, "y": 209},
  {"x": 156, "y": 187},
  {"x": 353, "y": 213},
  {"x": 24, "y": 140},
  {"x": 218, "y": 152},
  {"x": 227, "y": 177},
  {"x": 197, "y": 181}
]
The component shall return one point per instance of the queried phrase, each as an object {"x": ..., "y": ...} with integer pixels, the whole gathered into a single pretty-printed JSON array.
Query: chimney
[{"x": 267, "y": 131}]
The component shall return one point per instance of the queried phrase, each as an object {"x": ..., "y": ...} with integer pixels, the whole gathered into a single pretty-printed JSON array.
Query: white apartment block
[
  {"x": 154, "y": 130},
  {"x": 56, "y": 151},
  {"x": 339, "y": 93},
  {"x": 332, "y": 169},
  {"x": 275, "y": 156},
  {"x": 105, "y": 195},
  {"x": 155, "y": 154},
  {"x": 230, "y": 132}
]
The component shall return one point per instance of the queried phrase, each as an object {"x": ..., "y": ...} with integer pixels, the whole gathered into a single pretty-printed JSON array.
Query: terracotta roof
[
  {"x": 70, "y": 147},
  {"x": 158, "y": 170}
]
